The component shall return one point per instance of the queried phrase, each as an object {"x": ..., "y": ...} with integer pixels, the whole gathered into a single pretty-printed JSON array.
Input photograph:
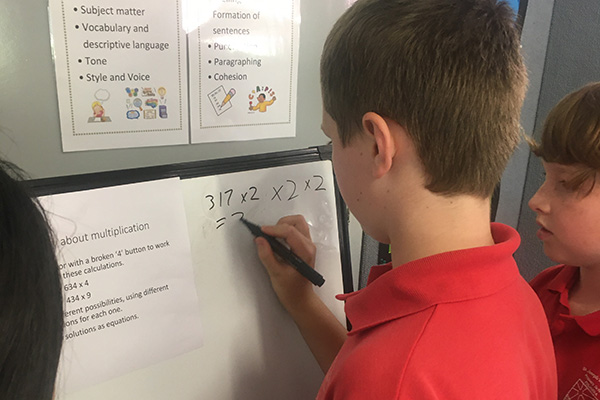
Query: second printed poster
[{"x": 243, "y": 62}]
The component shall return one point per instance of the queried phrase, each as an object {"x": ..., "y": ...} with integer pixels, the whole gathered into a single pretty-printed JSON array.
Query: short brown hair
[
  {"x": 571, "y": 134},
  {"x": 449, "y": 71}
]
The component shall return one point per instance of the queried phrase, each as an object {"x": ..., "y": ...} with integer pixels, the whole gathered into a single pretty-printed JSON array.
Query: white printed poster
[
  {"x": 121, "y": 73},
  {"x": 130, "y": 297},
  {"x": 243, "y": 59}
]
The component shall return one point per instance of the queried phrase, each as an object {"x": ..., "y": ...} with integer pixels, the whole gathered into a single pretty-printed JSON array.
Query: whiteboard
[{"x": 252, "y": 349}]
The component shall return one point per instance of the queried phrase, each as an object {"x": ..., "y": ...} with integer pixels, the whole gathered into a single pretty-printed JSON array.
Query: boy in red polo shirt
[
  {"x": 568, "y": 213},
  {"x": 421, "y": 100}
]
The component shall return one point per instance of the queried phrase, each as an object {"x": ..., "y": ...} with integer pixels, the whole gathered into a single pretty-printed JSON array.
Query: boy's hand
[
  {"x": 319, "y": 327},
  {"x": 291, "y": 288}
]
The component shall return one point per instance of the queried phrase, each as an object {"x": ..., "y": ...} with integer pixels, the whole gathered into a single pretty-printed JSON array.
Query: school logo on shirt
[{"x": 586, "y": 388}]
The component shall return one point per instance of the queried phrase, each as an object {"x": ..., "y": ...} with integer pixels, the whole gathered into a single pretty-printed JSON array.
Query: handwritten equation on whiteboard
[{"x": 230, "y": 203}]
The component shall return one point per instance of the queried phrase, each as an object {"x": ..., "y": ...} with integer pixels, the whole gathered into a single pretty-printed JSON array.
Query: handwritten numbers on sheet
[{"x": 230, "y": 202}]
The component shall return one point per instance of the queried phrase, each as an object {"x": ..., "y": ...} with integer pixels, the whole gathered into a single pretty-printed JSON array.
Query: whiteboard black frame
[{"x": 195, "y": 169}]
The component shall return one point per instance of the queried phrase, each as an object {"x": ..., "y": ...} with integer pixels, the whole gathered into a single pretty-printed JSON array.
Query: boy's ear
[{"x": 384, "y": 146}]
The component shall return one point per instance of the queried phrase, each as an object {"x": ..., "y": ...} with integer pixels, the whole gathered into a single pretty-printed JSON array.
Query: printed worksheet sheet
[{"x": 126, "y": 265}]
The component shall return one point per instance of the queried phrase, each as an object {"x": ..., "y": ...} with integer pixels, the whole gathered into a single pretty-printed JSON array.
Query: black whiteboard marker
[{"x": 287, "y": 255}]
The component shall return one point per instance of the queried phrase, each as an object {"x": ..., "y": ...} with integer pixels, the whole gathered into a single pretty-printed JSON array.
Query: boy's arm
[{"x": 321, "y": 330}]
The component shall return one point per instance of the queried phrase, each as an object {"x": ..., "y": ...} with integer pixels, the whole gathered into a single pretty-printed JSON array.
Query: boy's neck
[
  {"x": 434, "y": 224},
  {"x": 584, "y": 296}
]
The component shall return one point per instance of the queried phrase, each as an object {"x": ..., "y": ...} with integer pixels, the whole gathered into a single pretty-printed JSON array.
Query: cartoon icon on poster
[
  {"x": 150, "y": 114},
  {"x": 261, "y": 98},
  {"x": 230, "y": 94},
  {"x": 131, "y": 92},
  {"x": 148, "y": 92},
  {"x": 98, "y": 112},
  {"x": 162, "y": 92},
  {"x": 146, "y": 108},
  {"x": 133, "y": 114},
  {"x": 153, "y": 103},
  {"x": 221, "y": 100},
  {"x": 162, "y": 111}
]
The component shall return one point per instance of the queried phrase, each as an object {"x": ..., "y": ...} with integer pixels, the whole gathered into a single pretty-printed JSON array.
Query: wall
[{"x": 572, "y": 60}]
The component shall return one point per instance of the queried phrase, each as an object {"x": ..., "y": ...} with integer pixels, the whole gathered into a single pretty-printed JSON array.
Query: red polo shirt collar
[
  {"x": 560, "y": 284},
  {"x": 442, "y": 278}
]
